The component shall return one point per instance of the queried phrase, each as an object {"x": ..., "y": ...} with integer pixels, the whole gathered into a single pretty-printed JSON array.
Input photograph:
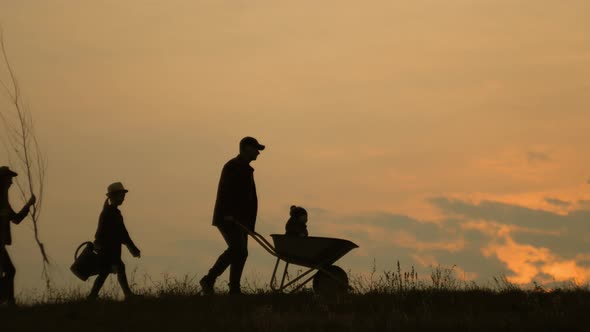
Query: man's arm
[
  {"x": 22, "y": 214},
  {"x": 228, "y": 195}
]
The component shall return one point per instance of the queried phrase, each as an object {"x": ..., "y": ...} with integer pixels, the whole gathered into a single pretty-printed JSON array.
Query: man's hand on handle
[{"x": 232, "y": 220}]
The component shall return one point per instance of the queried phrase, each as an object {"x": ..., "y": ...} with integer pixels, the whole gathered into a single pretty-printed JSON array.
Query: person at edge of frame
[{"x": 7, "y": 215}]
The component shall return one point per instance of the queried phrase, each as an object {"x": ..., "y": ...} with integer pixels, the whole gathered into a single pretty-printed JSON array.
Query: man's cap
[
  {"x": 251, "y": 141},
  {"x": 5, "y": 171},
  {"x": 116, "y": 187}
]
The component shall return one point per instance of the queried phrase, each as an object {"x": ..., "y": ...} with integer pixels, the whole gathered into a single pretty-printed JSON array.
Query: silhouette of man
[
  {"x": 236, "y": 203},
  {"x": 110, "y": 235},
  {"x": 7, "y": 215}
]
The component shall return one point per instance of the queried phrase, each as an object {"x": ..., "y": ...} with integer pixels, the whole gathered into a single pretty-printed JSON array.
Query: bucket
[{"x": 86, "y": 264}]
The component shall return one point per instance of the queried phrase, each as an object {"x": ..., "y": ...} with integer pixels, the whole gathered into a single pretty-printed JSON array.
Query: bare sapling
[{"x": 22, "y": 148}]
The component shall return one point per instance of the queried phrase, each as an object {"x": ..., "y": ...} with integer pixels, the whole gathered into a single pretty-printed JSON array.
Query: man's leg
[
  {"x": 3, "y": 284},
  {"x": 239, "y": 254},
  {"x": 9, "y": 273},
  {"x": 223, "y": 261}
]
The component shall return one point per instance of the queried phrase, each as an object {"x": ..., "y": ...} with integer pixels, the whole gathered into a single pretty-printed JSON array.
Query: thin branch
[{"x": 22, "y": 139}]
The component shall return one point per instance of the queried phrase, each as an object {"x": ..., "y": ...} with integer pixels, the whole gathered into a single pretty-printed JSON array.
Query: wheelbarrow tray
[
  {"x": 313, "y": 252},
  {"x": 310, "y": 251}
]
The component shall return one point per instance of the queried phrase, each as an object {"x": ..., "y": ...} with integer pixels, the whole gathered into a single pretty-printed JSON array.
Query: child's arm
[{"x": 129, "y": 243}]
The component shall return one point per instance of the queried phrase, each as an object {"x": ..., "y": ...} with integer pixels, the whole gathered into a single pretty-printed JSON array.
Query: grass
[{"x": 387, "y": 301}]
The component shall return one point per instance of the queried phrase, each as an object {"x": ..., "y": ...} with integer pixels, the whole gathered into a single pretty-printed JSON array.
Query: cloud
[
  {"x": 584, "y": 204},
  {"x": 531, "y": 243},
  {"x": 508, "y": 214},
  {"x": 565, "y": 234},
  {"x": 317, "y": 211},
  {"x": 534, "y": 157},
  {"x": 390, "y": 237},
  {"x": 483, "y": 239},
  {"x": 557, "y": 202},
  {"x": 387, "y": 225}
]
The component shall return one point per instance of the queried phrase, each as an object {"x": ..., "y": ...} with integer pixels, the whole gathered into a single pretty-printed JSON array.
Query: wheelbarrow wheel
[{"x": 334, "y": 283}]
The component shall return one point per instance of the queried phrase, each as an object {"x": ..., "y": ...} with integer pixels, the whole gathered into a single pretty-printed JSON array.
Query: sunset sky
[{"x": 430, "y": 132}]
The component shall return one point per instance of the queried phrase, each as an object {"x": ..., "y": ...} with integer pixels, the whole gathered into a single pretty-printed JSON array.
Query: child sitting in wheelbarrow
[{"x": 297, "y": 223}]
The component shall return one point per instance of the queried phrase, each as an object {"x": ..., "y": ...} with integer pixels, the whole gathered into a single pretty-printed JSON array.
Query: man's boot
[{"x": 207, "y": 285}]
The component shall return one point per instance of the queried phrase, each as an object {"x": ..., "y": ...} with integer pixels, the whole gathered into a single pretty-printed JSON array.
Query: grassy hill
[
  {"x": 409, "y": 311},
  {"x": 390, "y": 302}
]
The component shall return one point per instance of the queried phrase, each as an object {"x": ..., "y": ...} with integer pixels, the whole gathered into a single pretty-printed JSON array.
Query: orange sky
[{"x": 370, "y": 112}]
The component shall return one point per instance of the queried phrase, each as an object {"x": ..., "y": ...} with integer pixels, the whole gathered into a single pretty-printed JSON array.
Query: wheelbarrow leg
[
  {"x": 284, "y": 275},
  {"x": 274, "y": 274},
  {"x": 292, "y": 282}
]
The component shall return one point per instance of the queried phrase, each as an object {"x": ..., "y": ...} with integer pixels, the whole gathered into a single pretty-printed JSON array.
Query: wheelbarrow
[{"x": 318, "y": 254}]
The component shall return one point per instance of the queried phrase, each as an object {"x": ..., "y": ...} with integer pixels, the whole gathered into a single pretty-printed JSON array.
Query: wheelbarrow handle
[{"x": 259, "y": 238}]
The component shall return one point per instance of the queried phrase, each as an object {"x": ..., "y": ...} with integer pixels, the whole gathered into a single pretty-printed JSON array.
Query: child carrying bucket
[{"x": 110, "y": 236}]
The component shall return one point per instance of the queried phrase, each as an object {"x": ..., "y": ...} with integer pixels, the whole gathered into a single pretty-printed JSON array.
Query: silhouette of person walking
[
  {"x": 110, "y": 235},
  {"x": 7, "y": 215},
  {"x": 236, "y": 202}
]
